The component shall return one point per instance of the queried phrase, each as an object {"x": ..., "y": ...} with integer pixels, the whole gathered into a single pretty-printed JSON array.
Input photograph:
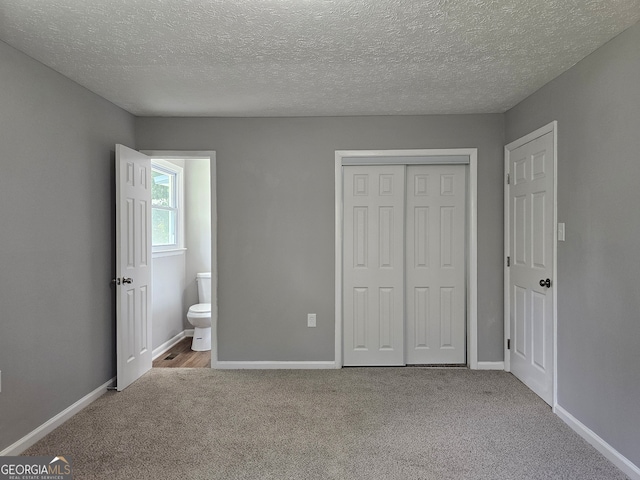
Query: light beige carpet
[{"x": 356, "y": 423}]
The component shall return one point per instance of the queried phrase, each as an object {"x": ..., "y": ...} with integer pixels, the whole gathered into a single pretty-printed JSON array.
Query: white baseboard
[
  {"x": 50, "y": 425},
  {"x": 628, "y": 468},
  {"x": 166, "y": 346},
  {"x": 490, "y": 365},
  {"x": 274, "y": 365}
]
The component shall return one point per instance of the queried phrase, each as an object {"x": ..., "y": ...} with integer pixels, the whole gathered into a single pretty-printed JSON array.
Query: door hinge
[
  {"x": 508, "y": 261},
  {"x": 508, "y": 179},
  {"x": 509, "y": 344}
]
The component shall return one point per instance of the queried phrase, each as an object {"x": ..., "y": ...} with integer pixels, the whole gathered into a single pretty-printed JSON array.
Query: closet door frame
[{"x": 466, "y": 156}]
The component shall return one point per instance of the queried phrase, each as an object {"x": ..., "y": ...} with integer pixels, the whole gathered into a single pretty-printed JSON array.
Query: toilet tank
[{"x": 204, "y": 287}]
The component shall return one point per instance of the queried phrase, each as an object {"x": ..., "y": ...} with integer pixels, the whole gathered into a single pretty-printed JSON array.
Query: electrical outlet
[{"x": 311, "y": 320}]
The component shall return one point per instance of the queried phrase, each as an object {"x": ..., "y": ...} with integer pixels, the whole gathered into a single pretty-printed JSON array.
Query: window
[{"x": 166, "y": 205}]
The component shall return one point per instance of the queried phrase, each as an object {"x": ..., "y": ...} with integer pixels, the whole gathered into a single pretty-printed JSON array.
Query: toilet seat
[{"x": 200, "y": 310}]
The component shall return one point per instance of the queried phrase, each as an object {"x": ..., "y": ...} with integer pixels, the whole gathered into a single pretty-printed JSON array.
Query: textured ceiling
[{"x": 312, "y": 57}]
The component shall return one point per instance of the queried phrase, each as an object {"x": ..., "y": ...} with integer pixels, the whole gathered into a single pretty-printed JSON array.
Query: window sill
[{"x": 168, "y": 253}]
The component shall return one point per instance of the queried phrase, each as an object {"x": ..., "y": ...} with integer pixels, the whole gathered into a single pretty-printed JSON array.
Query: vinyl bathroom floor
[{"x": 181, "y": 356}]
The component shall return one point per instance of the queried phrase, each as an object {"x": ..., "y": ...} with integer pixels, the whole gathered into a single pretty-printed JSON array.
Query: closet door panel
[
  {"x": 373, "y": 265},
  {"x": 435, "y": 264}
]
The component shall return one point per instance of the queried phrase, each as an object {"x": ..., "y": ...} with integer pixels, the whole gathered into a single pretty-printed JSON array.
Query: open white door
[
  {"x": 530, "y": 276},
  {"x": 133, "y": 265}
]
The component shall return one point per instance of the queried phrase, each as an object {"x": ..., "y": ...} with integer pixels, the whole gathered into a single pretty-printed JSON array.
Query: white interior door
[
  {"x": 373, "y": 265},
  {"x": 435, "y": 267},
  {"x": 133, "y": 265},
  {"x": 531, "y": 249}
]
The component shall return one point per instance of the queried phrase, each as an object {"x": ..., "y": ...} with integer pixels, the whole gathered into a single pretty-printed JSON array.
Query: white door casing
[
  {"x": 530, "y": 280},
  {"x": 435, "y": 264},
  {"x": 374, "y": 265},
  {"x": 133, "y": 265}
]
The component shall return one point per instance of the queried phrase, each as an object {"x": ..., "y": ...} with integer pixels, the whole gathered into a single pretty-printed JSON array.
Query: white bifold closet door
[{"x": 404, "y": 264}]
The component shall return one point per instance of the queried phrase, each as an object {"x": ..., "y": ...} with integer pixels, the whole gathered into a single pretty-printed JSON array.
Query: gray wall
[
  {"x": 57, "y": 330},
  {"x": 276, "y": 219},
  {"x": 597, "y": 105},
  {"x": 197, "y": 197}
]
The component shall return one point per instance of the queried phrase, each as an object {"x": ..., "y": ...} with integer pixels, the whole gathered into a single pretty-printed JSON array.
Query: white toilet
[{"x": 199, "y": 315}]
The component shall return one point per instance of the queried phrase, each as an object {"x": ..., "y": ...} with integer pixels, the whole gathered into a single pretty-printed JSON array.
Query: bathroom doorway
[{"x": 184, "y": 232}]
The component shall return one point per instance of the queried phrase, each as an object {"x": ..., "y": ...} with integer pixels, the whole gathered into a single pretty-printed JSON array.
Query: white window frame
[{"x": 178, "y": 247}]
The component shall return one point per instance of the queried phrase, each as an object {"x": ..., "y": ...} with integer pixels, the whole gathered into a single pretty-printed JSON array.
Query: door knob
[
  {"x": 545, "y": 283},
  {"x": 127, "y": 280}
]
